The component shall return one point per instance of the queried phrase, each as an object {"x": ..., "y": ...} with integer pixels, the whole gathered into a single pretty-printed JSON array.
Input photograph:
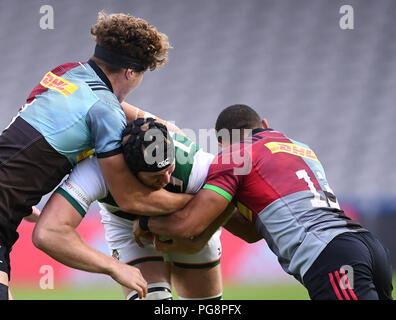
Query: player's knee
[{"x": 156, "y": 291}]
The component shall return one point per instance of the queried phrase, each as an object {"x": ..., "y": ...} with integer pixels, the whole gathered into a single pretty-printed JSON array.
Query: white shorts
[{"x": 127, "y": 250}]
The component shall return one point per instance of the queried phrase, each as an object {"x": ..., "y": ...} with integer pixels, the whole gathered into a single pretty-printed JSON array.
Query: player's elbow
[
  {"x": 46, "y": 237},
  {"x": 41, "y": 237}
]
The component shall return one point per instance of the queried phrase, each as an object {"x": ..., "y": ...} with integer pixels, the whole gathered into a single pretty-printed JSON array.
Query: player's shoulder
[
  {"x": 203, "y": 156},
  {"x": 180, "y": 138},
  {"x": 107, "y": 102},
  {"x": 105, "y": 96},
  {"x": 184, "y": 145},
  {"x": 86, "y": 77}
]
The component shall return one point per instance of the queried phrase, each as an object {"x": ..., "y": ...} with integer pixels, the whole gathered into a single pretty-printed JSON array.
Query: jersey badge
[{"x": 116, "y": 255}]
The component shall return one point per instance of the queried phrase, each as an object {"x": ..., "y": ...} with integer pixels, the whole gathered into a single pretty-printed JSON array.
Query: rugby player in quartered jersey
[
  {"x": 281, "y": 187},
  {"x": 70, "y": 112},
  {"x": 76, "y": 108}
]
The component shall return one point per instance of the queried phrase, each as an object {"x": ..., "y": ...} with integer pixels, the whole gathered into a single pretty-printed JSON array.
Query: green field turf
[{"x": 231, "y": 292}]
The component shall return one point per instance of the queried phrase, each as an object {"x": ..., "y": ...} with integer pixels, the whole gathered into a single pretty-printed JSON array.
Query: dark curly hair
[
  {"x": 131, "y": 37},
  {"x": 147, "y": 146}
]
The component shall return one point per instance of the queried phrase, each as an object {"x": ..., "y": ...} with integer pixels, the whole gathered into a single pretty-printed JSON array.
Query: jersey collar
[
  {"x": 258, "y": 130},
  {"x": 101, "y": 74}
]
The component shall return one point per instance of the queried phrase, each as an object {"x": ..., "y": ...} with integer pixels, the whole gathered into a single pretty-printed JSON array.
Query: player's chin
[
  {"x": 160, "y": 186},
  {"x": 157, "y": 186}
]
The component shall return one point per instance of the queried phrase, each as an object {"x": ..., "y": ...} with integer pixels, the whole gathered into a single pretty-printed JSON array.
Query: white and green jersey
[{"x": 86, "y": 183}]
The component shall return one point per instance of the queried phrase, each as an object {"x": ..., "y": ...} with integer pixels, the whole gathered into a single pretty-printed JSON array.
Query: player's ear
[
  {"x": 219, "y": 142},
  {"x": 128, "y": 73},
  {"x": 264, "y": 123}
]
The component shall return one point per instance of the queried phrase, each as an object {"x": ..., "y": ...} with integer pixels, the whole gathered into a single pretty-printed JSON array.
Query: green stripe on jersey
[
  {"x": 72, "y": 201},
  {"x": 220, "y": 191}
]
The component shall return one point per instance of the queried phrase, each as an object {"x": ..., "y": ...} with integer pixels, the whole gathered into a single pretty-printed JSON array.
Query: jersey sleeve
[
  {"x": 199, "y": 171},
  {"x": 222, "y": 177},
  {"x": 106, "y": 123},
  {"x": 84, "y": 185}
]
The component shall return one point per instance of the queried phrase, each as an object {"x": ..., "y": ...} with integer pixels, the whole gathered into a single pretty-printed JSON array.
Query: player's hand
[
  {"x": 33, "y": 217},
  {"x": 178, "y": 245},
  {"x": 139, "y": 233},
  {"x": 129, "y": 277}
]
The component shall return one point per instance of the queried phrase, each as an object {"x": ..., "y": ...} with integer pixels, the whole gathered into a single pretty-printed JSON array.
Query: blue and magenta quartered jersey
[
  {"x": 281, "y": 187},
  {"x": 74, "y": 108}
]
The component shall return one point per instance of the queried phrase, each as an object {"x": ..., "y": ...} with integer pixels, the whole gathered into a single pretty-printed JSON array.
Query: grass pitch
[{"x": 231, "y": 292}]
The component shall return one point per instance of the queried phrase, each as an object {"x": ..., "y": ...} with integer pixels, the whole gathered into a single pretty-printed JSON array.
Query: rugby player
[
  {"x": 183, "y": 168},
  {"x": 74, "y": 109},
  {"x": 286, "y": 196}
]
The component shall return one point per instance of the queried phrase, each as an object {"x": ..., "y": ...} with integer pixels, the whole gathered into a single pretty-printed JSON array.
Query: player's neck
[{"x": 119, "y": 90}]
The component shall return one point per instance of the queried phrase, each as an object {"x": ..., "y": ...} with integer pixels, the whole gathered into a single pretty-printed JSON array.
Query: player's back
[
  {"x": 298, "y": 205},
  {"x": 72, "y": 111},
  {"x": 286, "y": 194},
  {"x": 59, "y": 105}
]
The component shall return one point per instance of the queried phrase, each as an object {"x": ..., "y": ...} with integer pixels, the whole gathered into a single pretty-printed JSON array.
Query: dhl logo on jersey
[
  {"x": 52, "y": 81},
  {"x": 291, "y": 148}
]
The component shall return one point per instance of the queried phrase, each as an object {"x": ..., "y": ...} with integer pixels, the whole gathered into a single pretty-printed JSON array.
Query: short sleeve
[
  {"x": 84, "y": 185},
  {"x": 106, "y": 123},
  {"x": 222, "y": 177}
]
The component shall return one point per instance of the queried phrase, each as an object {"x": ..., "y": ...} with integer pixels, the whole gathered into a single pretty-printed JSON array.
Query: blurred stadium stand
[{"x": 330, "y": 88}]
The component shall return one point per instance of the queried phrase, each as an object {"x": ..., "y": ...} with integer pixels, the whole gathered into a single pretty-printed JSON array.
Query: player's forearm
[
  {"x": 133, "y": 196},
  {"x": 66, "y": 246},
  {"x": 192, "y": 220},
  {"x": 178, "y": 224},
  {"x": 155, "y": 203},
  {"x": 167, "y": 226},
  {"x": 198, "y": 242},
  {"x": 239, "y": 226},
  {"x": 216, "y": 224}
]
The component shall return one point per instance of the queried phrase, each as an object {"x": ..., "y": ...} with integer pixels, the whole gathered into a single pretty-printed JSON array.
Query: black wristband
[{"x": 143, "y": 223}]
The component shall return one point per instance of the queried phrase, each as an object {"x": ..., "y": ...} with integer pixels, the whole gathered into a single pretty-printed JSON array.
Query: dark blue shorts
[{"x": 353, "y": 266}]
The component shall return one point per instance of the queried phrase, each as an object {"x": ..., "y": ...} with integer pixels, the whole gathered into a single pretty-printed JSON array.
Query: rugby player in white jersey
[{"x": 194, "y": 276}]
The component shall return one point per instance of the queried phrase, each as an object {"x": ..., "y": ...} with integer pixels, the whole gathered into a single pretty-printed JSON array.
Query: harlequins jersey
[
  {"x": 281, "y": 187},
  {"x": 70, "y": 114},
  {"x": 74, "y": 108}
]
